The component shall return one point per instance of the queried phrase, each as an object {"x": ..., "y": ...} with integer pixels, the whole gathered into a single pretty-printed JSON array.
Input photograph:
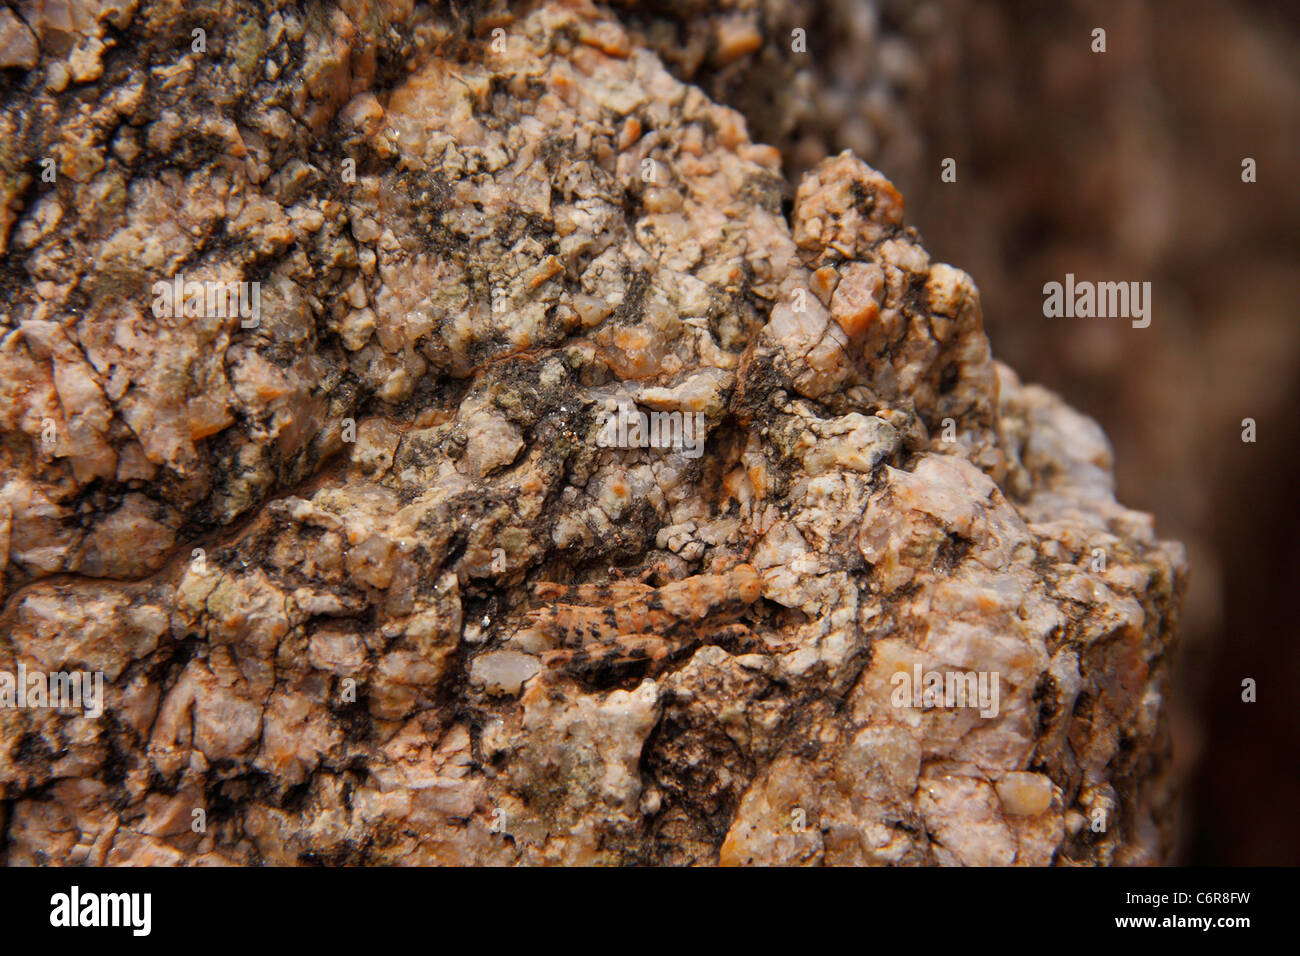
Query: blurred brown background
[{"x": 1116, "y": 166}]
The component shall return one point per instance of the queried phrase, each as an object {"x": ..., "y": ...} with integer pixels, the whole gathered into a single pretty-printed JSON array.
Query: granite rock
[{"x": 365, "y": 577}]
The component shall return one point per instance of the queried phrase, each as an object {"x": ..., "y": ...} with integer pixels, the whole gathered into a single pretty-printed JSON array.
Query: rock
[
  {"x": 17, "y": 43},
  {"x": 814, "y": 77},
  {"x": 364, "y": 543},
  {"x": 503, "y": 672}
]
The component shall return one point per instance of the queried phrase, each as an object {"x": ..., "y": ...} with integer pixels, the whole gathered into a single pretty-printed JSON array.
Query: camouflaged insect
[{"x": 608, "y": 626}]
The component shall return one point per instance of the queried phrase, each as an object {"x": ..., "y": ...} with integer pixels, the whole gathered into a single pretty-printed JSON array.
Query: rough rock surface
[
  {"x": 365, "y": 585},
  {"x": 812, "y": 77}
]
